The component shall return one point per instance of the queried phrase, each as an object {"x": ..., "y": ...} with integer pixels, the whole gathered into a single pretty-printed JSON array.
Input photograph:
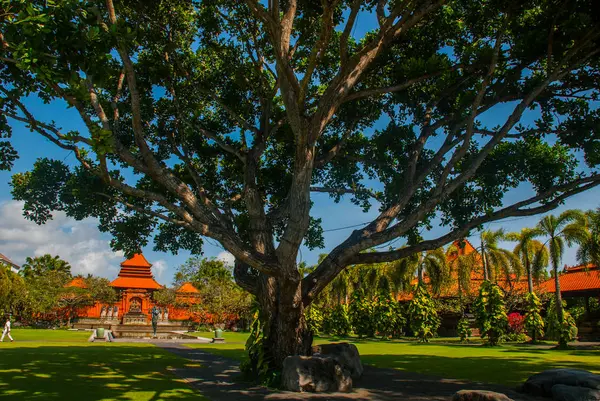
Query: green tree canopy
[
  {"x": 221, "y": 118},
  {"x": 40, "y": 265}
]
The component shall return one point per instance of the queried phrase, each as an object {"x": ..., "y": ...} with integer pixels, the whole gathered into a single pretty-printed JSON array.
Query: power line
[{"x": 344, "y": 228}]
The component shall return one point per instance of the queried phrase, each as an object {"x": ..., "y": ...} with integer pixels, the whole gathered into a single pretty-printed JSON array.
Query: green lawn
[
  {"x": 508, "y": 364},
  {"x": 64, "y": 366}
]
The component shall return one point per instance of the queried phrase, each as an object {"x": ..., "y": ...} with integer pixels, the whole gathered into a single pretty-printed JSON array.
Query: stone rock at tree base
[
  {"x": 479, "y": 395},
  {"x": 541, "y": 384},
  {"x": 344, "y": 353},
  {"x": 561, "y": 392},
  {"x": 315, "y": 374}
]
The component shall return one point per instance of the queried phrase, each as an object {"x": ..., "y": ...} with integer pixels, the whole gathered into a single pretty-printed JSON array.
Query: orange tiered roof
[
  {"x": 135, "y": 273},
  {"x": 451, "y": 291},
  {"x": 188, "y": 288},
  {"x": 582, "y": 278}
]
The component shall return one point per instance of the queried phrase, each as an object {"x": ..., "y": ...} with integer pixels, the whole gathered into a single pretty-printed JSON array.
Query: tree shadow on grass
[
  {"x": 510, "y": 371},
  {"x": 97, "y": 372}
]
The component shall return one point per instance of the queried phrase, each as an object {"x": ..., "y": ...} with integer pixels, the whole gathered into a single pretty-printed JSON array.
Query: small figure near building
[
  {"x": 155, "y": 315},
  {"x": 6, "y": 331}
]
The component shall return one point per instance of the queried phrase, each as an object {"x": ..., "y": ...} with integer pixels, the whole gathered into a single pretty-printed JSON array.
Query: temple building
[{"x": 131, "y": 314}]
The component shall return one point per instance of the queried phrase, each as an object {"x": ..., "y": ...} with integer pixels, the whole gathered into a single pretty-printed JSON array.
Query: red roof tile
[
  {"x": 135, "y": 273},
  {"x": 137, "y": 260},
  {"x": 576, "y": 279}
]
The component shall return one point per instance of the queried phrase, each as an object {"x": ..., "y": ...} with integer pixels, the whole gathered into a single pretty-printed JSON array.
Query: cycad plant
[{"x": 570, "y": 227}]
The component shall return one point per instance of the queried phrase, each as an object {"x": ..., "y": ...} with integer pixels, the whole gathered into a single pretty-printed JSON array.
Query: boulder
[
  {"x": 561, "y": 392},
  {"x": 479, "y": 395},
  {"x": 541, "y": 384},
  {"x": 344, "y": 353},
  {"x": 315, "y": 374}
]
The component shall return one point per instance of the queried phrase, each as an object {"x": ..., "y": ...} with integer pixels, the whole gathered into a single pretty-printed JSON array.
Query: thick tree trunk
[{"x": 282, "y": 312}]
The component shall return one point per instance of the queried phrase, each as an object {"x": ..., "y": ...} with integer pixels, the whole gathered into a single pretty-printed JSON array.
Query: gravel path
[{"x": 219, "y": 379}]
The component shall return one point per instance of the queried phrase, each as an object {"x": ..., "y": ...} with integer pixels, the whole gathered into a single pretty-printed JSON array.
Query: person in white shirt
[{"x": 6, "y": 331}]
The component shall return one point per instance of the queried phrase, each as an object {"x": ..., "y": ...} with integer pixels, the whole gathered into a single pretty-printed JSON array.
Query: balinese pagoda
[{"x": 131, "y": 314}]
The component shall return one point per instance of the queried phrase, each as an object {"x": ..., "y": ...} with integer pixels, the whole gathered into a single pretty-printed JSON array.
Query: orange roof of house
[
  {"x": 188, "y": 287},
  {"x": 576, "y": 279},
  {"x": 132, "y": 282},
  {"x": 4, "y": 259},
  {"x": 77, "y": 282},
  {"x": 451, "y": 291},
  {"x": 135, "y": 273}
]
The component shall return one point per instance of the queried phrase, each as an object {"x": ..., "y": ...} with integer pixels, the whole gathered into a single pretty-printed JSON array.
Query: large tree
[{"x": 220, "y": 118}]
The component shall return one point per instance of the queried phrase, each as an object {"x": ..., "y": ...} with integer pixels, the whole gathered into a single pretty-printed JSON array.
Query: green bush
[
  {"x": 389, "y": 316},
  {"x": 424, "y": 320},
  {"x": 362, "y": 314},
  {"x": 490, "y": 313},
  {"x": 534, "y": 324},
  {"x": 464, "y": 329},
  {"x": 566, "y": 332},
  {"x": 314, "y": 318},
  {"x": 337, "y": 322}
]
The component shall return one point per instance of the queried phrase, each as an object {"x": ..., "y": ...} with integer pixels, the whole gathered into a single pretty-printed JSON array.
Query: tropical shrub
[
  {"x": 424, "y": 320},
  {"x": 337, "y": 322},
  {"x": 464, "y": 329},
  {"x": 534, "y": 324},
  {"x": 389, "y": 316},
  {"x": 566, "y": 332},
  {"x": 362, "y": 314},
  {"x": 314, "y": 318},
  {"x": 490, "y": 313}
]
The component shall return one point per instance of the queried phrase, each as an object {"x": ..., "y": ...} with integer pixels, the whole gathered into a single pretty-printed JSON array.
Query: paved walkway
[{"x": 219, "y": 379}]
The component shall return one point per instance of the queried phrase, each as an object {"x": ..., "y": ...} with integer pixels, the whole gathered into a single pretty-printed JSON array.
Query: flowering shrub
[{"x": 516, "y": 323}]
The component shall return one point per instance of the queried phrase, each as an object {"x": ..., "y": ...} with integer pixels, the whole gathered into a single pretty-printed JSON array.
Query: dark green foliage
[
  {"x": 423, "y": 316},
  {"x": 563, "y": 333},
  {"x": 389, "y": 316},
  {"x": 361, "y": 312},
  {"x": 490, "y": 313},
  {"x": 314, "y": 318},
  {"x": 337, "y": 322},
  {"x": 39, "y": 265},
  {"x": 534, "y": 324},
  {"x": 464, "y": 329}
]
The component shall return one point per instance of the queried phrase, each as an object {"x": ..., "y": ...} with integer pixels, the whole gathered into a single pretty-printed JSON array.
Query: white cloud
[
  {"x": 159, "y": 268},
  {"x": 78, "y": 242},
  {"x": 226, "y": 257}
]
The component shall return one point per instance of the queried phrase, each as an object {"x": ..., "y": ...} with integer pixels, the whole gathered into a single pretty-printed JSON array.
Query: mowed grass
[
  {"x": 65, "y": 366},
  {"x": 508, "y": 365},
  {"x": 48, "y": 335}
]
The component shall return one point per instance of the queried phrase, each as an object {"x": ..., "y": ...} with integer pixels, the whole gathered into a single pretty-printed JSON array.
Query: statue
[
  {"x": 116, "y": 312},
  {"x": 155, "y": 314},
  {"x": 103, "y": 312},
  {"x": 109, "y": 313},
  {"x": 166, "y": 315}
]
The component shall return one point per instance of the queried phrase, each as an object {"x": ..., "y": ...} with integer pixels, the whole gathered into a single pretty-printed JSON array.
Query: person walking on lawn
[{"x": 6, "y": 331}]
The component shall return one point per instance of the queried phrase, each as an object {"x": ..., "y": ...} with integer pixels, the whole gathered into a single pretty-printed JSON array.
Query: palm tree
[
  {"x": 497, "y": 261},
  {"x": 462, "y": 266},
  {"x": 431, "y": 263},
  {"x": 532, "y": 253},
  {"x": 589, "y": 250},
  {"x": 570, "y": 228}
]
